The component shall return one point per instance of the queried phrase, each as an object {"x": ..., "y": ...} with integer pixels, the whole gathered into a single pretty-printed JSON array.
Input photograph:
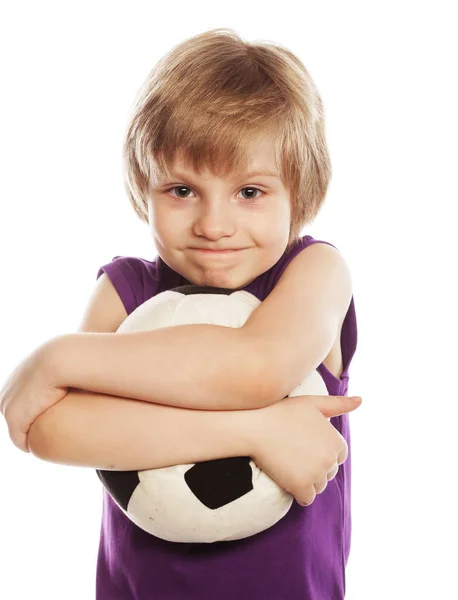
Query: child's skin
[
  {"x": 284, "y": 437},
  {"x": 292, "y": 440},
  {"x": 215, "y": 214}
]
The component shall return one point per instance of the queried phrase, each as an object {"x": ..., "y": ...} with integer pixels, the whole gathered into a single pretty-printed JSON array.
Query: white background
[{"x": 387, "y": 75}]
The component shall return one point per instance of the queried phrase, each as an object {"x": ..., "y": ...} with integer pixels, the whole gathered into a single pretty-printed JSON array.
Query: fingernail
[{"x": 356, "y": 398}]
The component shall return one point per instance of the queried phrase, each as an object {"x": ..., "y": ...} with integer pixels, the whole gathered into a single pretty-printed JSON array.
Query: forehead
[{"x": 261, "y": 162}]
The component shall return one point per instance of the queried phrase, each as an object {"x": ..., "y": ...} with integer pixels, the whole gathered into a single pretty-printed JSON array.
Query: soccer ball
[{"x": 217, "y": 500}]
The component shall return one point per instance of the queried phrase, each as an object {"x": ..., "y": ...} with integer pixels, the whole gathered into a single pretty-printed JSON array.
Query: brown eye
[
  {"x": 183, "y": 195},
  {"x": 181, "y": 188},
  {"x": 251, "y": 189}
]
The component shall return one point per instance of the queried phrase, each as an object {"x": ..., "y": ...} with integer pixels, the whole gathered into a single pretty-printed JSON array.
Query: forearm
[
  {"x": 107, "y": 432},
  {"x": 208, "y": 367}
]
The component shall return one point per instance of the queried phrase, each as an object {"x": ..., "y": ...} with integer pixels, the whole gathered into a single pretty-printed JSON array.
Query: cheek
[
  {"x": 163, "y": 221},
  {"x": 152, "y": 215}
]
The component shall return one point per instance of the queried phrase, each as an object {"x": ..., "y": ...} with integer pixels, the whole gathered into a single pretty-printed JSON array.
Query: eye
[{"x": 248, "y": 187}]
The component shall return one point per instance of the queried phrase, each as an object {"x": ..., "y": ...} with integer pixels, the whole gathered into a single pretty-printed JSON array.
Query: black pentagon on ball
[
  {"x": 218, "y": 482},
  {"x": 120, "y": 484}
]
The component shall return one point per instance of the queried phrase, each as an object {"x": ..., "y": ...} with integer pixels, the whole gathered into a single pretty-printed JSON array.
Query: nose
[{"x": 214, "y": 220}]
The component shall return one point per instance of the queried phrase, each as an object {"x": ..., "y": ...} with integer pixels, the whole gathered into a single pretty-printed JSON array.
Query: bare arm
[
  {"x": 108, "y": 432},
  {"x": 200, "y": 366}
]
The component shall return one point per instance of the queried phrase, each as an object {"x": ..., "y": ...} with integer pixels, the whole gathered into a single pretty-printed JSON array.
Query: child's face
[{"x": 220, "y": 213}]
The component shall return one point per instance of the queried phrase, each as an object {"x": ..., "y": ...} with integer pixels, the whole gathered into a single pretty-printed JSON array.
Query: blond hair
[{"x": 209, "y": 98}]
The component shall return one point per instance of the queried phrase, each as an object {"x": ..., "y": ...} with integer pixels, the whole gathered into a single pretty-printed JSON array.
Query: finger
[
  {"x": 24, "y": 446},
  {"x": 333, "y": 472},
  {"x": 343, "y": 454},
  {"x": 321, "y": 484},
  {"x": 308, "y": 497},
  {"x": 20, "y": 441}
]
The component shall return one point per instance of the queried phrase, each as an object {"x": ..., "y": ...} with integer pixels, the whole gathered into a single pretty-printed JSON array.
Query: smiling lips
[{"x": 210, "y": 251}]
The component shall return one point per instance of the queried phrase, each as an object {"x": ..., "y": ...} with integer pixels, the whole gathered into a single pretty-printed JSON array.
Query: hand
[
  {"x": 297, "y": 446},
  {"x": 27, "y": 393}
]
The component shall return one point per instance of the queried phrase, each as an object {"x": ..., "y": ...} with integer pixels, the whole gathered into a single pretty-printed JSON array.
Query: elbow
[
  {"x": 267, "y": 393},
  {"x": 38, "y": 439}
]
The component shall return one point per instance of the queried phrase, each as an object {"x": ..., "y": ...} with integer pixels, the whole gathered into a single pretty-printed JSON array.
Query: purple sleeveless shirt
[{"x": 302, "y": 557}]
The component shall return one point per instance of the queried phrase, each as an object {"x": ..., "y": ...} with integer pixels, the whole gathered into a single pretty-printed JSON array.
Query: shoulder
[
  {"x": 318, "y": 266},
  {"x": 321, "y": 251},
  {"x": 129, "y": 276},
  {"x": 130, "y": 266}
]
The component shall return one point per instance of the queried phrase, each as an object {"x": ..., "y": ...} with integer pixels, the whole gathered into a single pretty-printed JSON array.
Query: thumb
[{"x": 333, "y": 406}]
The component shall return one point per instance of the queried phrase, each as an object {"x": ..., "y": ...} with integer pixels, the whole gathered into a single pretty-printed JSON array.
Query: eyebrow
[{"x": 264, "y": 173}]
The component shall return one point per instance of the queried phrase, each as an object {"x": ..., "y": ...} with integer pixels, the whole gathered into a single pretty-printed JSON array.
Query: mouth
[{"x": 208, "y": 251}]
